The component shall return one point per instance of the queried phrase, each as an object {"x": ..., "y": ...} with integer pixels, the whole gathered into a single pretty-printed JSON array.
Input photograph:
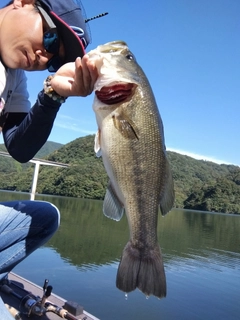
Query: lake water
[{"x": 201, "y": 255}]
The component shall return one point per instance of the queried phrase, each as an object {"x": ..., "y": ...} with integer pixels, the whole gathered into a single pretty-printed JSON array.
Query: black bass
[{"x": 130, "y": 140}]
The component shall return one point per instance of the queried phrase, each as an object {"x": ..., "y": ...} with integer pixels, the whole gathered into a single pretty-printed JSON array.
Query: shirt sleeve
[
  {"x": 15, "y": 94},
  {"x": 23, "y": 140}
]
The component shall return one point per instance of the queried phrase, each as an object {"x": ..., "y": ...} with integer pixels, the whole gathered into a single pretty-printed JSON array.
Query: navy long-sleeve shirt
[
  {"x": 25, "y": 133},
  {"x": 24, "y": 129}
]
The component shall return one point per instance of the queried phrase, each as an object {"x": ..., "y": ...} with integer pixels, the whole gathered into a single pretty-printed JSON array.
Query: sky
[{"x": 190, "y": 52}]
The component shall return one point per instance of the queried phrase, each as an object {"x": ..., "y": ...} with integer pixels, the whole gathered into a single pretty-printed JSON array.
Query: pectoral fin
[
  {"x": 112, "y": 207},
  {"x": 125, "y": 125},
  {"x": 97, "y": 145}
]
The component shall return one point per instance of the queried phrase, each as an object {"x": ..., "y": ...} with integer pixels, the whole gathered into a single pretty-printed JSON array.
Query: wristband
[{"x": 48, "y": 90}]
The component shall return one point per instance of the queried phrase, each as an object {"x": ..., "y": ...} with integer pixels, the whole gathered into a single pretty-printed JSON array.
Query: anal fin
[{"x": 167, "y": 196}]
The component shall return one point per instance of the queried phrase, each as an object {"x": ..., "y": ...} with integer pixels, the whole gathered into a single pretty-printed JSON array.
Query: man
[{"x": 36, "y": 35}]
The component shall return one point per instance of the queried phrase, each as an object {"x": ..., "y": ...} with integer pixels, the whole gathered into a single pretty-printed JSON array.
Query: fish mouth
[{"x": 115, "y": 93}]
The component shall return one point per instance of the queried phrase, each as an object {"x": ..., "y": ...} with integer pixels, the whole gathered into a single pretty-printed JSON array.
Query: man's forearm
[{"x": 24, "y": 137}]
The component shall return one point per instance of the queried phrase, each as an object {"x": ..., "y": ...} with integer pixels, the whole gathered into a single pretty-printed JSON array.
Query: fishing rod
[
  {"x": 32, "y": 305},
  {"x": 96, "y": 17}
]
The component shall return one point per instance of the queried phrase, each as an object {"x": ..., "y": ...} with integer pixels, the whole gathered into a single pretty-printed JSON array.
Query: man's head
[
  {"x": 55, "y": 29},
  {"x": 70, "y": 24}
]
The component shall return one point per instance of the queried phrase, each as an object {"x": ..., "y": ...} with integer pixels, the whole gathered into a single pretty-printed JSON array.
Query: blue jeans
[{"x": 24, "y": 227}]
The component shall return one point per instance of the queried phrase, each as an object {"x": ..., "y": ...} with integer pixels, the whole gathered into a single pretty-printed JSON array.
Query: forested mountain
[
  {"x": 47, "y": 149},
  {"x": 204, "y": 185},
  {"x": 8, "y": 165},
  {"x": 199, "y": 184}
]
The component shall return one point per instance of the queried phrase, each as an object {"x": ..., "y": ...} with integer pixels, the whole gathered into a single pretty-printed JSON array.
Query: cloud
[
  {"x": 199, "y": 156},
  {"x": 72, "y": 124}
]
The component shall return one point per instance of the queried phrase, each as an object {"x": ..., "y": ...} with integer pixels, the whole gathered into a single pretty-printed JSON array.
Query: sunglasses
[{"x": 51, "y": 42}]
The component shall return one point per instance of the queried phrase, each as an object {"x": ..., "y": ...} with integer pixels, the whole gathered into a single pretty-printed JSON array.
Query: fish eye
[{"x": 130, "y": 56}]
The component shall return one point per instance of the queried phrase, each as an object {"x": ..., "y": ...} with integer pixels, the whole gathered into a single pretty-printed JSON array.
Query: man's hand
[{"x": 75, "y": 78}]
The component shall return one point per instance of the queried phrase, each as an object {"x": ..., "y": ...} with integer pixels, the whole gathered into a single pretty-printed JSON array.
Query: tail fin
[{"x": 144, "y": 271}]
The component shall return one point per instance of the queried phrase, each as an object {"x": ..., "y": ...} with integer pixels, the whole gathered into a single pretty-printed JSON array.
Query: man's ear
[{"x": 21, "y": 3}]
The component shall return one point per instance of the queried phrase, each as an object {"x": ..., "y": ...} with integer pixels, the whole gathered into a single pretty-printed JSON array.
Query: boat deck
[{"x": 21, "y": 292}]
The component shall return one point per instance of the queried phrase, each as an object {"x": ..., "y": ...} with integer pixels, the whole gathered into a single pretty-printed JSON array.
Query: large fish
[{"x": 130, "y": 140}]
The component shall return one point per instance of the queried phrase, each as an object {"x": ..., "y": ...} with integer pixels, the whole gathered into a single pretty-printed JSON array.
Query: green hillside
[
  {"x": 47, "y": 149},
  {"x": 9, "y": 167},
  {"x": 199, "y": 185}
]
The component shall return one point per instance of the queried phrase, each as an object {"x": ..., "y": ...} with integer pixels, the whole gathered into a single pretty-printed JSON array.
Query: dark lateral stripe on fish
[{"x": 115, "y": 94}]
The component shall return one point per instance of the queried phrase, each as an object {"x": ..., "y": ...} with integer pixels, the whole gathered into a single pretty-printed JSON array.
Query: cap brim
[{"x": 72, "y": 43}]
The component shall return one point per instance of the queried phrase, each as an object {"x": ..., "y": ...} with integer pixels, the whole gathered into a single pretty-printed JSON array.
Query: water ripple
[{"x": 218, "y": 260}]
